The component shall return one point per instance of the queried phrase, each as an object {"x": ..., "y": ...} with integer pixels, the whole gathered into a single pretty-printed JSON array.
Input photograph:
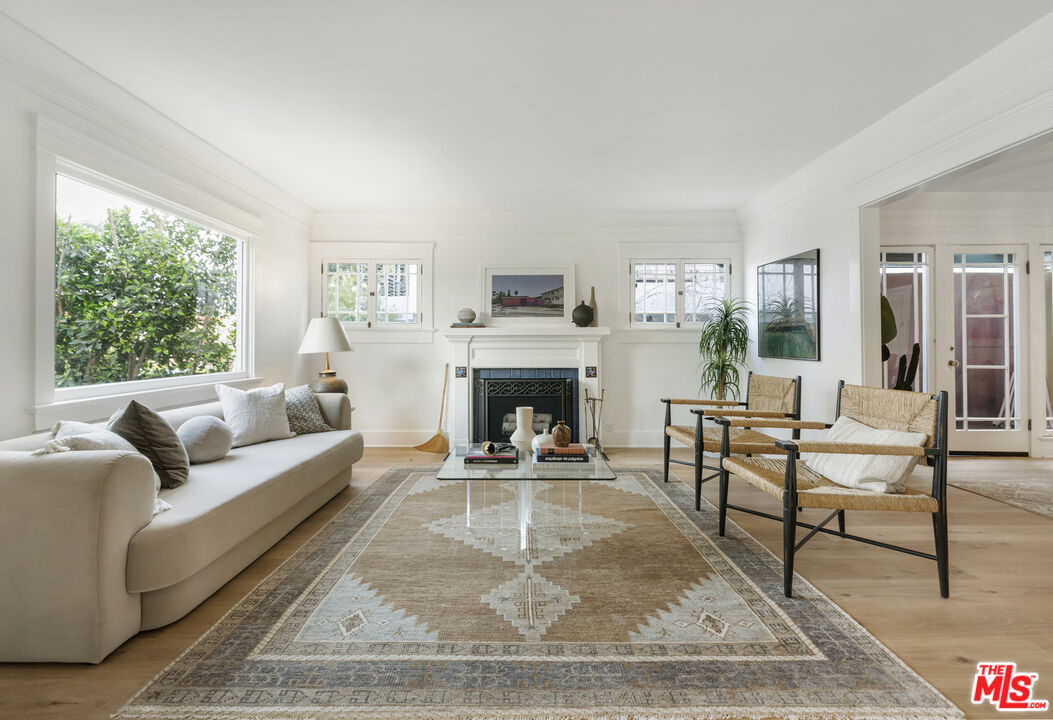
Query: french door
[{"x": 980, "y": 353}]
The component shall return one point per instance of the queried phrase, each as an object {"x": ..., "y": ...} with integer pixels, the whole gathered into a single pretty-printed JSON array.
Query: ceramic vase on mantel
[
  {"x": 592, "y": 304},
  {"x": 524, "y": 426}
]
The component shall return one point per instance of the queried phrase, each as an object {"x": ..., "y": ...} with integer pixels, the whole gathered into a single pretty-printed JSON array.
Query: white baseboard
[{"x": 396, "y": 438}]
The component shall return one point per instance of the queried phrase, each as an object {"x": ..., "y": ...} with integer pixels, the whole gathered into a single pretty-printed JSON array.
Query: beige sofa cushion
[{"x": 226, "y": 501}]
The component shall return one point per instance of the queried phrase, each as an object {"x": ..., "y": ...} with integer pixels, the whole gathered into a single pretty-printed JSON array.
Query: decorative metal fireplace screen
[{"x": 496, "y": 394}]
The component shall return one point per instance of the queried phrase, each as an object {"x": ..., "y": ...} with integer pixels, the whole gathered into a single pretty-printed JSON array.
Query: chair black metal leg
[
  {"x": 939, "y": 526},
  {"x": 789, "y": 541},
  {"x": 841, "y": 521},
  {"x": 665, "y": 473},
  {"x": 698, "y": 476},
  {"x": 723, "y": 497}
]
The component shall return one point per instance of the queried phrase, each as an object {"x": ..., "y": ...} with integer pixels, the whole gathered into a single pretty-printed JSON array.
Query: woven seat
[
  {"x": 796, "y": 486},
  {"x": 815, "y": 491},
  {"x": 766, "y": 396}
]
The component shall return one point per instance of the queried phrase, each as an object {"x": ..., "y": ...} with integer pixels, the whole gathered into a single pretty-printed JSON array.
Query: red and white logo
[{"x": 1001, "y": 685}]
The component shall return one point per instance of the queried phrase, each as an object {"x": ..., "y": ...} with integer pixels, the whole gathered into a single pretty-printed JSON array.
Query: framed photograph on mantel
[
  {"x": 537, "y": 295},
  {"x": 788, "y": 307}
]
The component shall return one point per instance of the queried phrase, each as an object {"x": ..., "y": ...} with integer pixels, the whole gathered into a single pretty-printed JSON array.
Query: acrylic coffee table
[{"x": 454, "y": 468}]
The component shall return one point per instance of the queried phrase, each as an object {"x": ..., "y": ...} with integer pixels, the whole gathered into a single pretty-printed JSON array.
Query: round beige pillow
[{"x": 206, "y": 438}]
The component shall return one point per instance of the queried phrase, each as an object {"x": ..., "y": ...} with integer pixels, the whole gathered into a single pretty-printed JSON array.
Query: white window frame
[
  {"x": 374, "y": 253},
  {"x": 63, "y": 151},
  {"x": 679, "y": 262},
  {"x": 371, "y": 323}
]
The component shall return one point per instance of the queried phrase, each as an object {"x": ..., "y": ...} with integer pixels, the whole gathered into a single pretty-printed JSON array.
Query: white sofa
[{"x": 83, "y": 567}]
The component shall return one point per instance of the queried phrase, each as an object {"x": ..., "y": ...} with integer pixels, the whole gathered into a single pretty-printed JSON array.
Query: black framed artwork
[{"x": 788, "y": 318}]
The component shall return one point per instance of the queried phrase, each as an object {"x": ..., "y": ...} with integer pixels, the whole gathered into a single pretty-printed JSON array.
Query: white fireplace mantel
[{"x": 536, "y": 346}]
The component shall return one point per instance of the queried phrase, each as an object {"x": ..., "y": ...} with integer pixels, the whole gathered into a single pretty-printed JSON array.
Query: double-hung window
[
  {"x": 674, "y": 293},
  {"x": 370, "y": 293}
]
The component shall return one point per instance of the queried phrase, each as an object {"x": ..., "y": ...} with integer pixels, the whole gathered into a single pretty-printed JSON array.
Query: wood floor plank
[{"x": 1000, "y": 606}]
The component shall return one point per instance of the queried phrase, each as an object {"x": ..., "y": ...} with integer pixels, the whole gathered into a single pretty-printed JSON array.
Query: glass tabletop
[{"x": 454, "y": 467}]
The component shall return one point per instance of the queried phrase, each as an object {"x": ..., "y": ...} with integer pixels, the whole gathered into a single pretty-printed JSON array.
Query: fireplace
[{"x": 496, "y": 392}]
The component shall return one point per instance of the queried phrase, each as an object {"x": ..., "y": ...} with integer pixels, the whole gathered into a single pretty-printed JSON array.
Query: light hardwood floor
[{"x": 1001, "y": 604}]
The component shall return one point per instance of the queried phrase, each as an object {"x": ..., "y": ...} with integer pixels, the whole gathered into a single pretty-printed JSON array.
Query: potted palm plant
[{"x": 722, "y": 347}]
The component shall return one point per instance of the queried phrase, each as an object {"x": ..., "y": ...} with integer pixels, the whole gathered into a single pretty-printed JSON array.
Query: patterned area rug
[
  {"x": 492, "y": 599},
  {"x": 1032, "y": 493}
]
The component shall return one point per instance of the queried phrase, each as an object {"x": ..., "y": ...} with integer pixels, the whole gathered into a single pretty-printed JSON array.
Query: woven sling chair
[
  {"x": 797, "y": 486},
  {"x": 766, "y": 397}
]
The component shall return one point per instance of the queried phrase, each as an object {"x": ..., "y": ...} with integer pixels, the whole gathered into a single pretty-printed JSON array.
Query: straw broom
[{"x": 438, "y": 443}]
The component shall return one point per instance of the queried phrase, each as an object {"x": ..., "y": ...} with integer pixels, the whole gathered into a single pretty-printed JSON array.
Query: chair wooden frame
[
  {"x": 935, "y": 456},
  {"x": 720, "y": 408}
]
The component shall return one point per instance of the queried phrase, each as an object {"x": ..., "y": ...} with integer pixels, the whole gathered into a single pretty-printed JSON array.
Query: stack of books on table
[
  {"x": 475, "y": 456},
  {"x": 548, "y": 452}
]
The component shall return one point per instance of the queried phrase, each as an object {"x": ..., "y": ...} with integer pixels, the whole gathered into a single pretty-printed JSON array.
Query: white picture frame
[{"x": 526, "y": 298}]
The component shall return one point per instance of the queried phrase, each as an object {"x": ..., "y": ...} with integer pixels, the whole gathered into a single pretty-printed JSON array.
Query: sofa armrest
[
  {"x": 336, "y": 409},
  {"x": 65, "y": 523}
]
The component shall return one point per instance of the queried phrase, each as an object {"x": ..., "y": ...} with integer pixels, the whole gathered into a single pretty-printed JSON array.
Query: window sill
[
  {"x": 95, "y": 408},
  {"x": 653, "y": 335},
  {"x": 375, "y": 335}
]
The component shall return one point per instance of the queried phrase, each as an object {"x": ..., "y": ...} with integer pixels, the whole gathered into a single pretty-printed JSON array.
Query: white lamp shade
[{"x": 325, "y": 334}]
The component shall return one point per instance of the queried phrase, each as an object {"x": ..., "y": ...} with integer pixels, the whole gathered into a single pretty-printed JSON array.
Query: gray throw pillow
[
  {"x": 206, "y": 438},
  {"x": 153, "y": 437},
  {"x": 305, "y": 417}
]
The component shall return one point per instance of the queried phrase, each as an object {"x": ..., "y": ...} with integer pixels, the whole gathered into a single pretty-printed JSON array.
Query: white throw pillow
[
  {"x": 256, "y": 415},
  {"x": 206, "y": 438},
  {"x": 877, "y": 473}
]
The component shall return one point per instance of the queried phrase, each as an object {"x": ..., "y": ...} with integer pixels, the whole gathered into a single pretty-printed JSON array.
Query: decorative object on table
[
  {"x": 561, "y": 434},
  {"x": 905, "y": 373},
  {"x": 524, "y": 431},
  {"x": 594, "y": 407},
  {"x": 722, "y": 347},
  {"x": 465, "y": 316},
  {"x": 461, "y": 371},
  {"x": 701, "y": 599},
  {"x": 592, "y": 304},
  {"x": 582, "y": 315},
  {"x": 491, "y": 453},
  {"x": 538, "y": 295},
  {"x": 788, "y": 317},
  {"x": 550, "y": 452},
  {"x": 326, "y": 335},
  {"x": 438, "y": 443},
  {"x": 540, "y": 439},
  {"x": 305, "y": 416}
]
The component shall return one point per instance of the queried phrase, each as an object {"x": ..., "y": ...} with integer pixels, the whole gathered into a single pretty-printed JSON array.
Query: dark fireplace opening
[{"x": 497, "y": 392}]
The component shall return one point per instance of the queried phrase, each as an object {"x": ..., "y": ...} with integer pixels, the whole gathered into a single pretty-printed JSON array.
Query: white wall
[
  {"x": 36, "y": 79},
  {"x": 1003, "y": 98},
  {"x": 396, "y": 387}
]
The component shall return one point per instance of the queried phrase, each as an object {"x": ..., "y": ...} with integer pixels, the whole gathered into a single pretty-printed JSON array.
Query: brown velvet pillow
[{"x": 153, "y": 437}]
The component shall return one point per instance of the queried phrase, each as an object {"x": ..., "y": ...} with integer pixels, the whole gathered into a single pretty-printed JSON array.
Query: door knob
[{"x": 952, "y": 363}]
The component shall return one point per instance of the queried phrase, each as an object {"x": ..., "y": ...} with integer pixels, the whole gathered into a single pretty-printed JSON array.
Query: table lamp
[{"x": 326, "y": 335}]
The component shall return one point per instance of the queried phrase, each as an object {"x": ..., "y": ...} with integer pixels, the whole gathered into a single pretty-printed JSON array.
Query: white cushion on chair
[{"x": 877, "y": 473}]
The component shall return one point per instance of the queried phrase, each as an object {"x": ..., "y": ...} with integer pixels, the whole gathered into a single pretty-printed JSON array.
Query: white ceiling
[{"x": 403, "y": 105}]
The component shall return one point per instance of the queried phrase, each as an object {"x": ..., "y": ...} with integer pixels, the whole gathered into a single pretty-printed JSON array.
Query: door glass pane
[
  {"x": 985, "y": 342},
  {"x": 1047, "y": 272},
  {"x": 905, "y": 284}
]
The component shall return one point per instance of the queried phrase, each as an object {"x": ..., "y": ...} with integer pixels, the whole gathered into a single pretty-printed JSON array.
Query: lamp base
[{"x": 328, "y": 382}]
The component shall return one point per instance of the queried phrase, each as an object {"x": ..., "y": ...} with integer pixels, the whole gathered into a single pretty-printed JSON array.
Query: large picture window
[
  {"x": 140, "y": 293},
  {"x": 373, "y": 293},
  {"x": 675, "y": 293}
]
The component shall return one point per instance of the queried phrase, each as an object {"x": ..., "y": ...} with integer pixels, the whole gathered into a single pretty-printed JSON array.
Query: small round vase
[
  {"x": 466, "y": 315},
  {"x": 539, "y": 440},
  {"x": 561, "y": 434},
  {"x": 524, "y": 425},
  {"x": 582, "y": 315}
]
